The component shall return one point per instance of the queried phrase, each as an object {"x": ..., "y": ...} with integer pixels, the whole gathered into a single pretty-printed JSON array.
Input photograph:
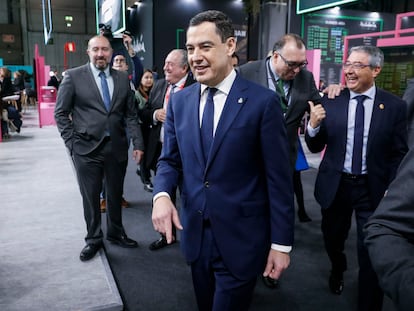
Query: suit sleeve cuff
[{"x": 281, "y": 248}]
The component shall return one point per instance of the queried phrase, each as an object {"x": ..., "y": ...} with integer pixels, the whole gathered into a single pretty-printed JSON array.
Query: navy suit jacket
[
  {"x": 302, "y": 90},
  {"x": 244, "y": 185},
  {"x": 386, "y": 146}
]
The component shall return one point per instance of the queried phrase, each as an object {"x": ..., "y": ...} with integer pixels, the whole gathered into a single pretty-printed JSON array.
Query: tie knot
[
  {"x": 360, "y": 98},
  {"x": 102, "y": 74},
  {"x": 211, "y": 92}
]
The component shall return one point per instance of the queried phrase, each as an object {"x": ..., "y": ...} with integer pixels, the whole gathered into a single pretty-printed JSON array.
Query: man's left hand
[
  {"x": 277, "y": 262},
  {"x": 137, "y": 155}
]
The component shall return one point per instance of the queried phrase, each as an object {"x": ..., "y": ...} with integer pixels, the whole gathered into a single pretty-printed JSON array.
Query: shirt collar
[
  {"x": 225, "y": 85},
  {"x": 181, "y": 82},
  {"x": 96, "y": 71},
  {"x": 370, "y": 93}
]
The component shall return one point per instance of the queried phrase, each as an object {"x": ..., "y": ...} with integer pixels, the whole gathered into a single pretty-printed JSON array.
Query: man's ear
[{"x": 231, "y": 45}]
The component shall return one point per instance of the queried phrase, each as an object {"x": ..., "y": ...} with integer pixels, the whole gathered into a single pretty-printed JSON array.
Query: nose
[{"x": 196, "y": 55}]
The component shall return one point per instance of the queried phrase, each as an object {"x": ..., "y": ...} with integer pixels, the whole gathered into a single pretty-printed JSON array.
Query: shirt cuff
[
  {"x": 281, "y": 248},
  {"x": 154, "y": 120},
  {"x": 159, "y": 195},
  {"x": 312, "y": 131}
]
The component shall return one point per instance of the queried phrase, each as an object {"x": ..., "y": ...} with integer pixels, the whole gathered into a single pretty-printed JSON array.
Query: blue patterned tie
[
  {"x": 358, "y": 135},
  {"x": 105, "y": 91},
  {"x": 208, "y": 123}
]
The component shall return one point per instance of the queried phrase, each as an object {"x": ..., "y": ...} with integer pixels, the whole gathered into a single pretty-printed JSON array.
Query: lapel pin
[
  {"x": 240, "y": 100},
  {"x": 381, "y": 106}
]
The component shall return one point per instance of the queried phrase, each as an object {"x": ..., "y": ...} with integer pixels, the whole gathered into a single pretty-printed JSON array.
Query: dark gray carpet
[
  {"x": 161, "y": 280},
  {"x": 42, "y": 229}
]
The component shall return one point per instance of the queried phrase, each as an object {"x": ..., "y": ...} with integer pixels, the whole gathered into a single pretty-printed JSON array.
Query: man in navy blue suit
[
  {"x": 364, "y": 130},
  {"x": 237, "y": 211}
]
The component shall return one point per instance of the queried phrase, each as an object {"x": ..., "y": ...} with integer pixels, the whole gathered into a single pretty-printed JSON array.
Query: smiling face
[
  {"x": 360, "y": 79},
  {"x": 99, "y": 52},
  {"x": 208, "y": 56},
  {"x": 174, "y": 69}
]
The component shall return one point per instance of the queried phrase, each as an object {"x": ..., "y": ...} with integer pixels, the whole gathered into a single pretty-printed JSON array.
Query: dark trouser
[
  {"x": 215, "y": 287},
  {"x": 90, "y": 171},
  {"x": 352, "y": 195},
  {"x": 298, "y": 189}
]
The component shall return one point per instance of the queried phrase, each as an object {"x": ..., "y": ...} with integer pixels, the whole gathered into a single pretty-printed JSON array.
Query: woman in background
[{"x": 142, "y": 94}]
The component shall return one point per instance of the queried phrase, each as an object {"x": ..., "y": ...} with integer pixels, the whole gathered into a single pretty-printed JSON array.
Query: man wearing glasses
[
  {"x": 284, "y": 72},
  {"x": 364, "y": 131}
]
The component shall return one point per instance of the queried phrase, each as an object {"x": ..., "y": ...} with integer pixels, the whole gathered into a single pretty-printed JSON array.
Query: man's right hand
[
  {"x": 164, "y": 216},
  {"x": 317, "y": 114},
  {"x": 160, "y": 115}
]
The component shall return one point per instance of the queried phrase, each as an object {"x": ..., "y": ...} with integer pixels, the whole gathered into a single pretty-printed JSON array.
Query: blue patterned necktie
[
  {"x": 105, "y": 91},
  {"x": 208, "y": 123},
  {"x": 358, "y": 135}
]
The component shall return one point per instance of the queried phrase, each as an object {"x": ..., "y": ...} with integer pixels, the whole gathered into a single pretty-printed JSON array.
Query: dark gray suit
[
  {"x": 390, "y": 238},
  {"x": 409, "y": 98},
  {"x": 98, "y": 143},
  {"x": 303, "y": 88},
  {"x": 156, "y": 101}
]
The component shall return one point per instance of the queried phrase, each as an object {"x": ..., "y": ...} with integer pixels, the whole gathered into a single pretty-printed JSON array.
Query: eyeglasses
[
  {"x": 119, "y": 60},
  {"x": 293, "y": 65},
  {"x": 355, "y": 66}
]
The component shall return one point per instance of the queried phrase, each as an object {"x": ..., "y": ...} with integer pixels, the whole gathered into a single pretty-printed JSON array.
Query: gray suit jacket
[
  {"x": 303, "y": 89},
  {"x": 82, "y": 119},
  {"x": 409, "y": 98},
  {"x": 390, "y": 238}
]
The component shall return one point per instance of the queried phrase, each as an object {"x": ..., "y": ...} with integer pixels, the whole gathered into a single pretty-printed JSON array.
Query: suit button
[{"x": 206, "y": 184}]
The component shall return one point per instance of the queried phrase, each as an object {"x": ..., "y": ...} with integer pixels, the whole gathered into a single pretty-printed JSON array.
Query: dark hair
[
  {"x": 224, "y": 27},
  {"x": 143, "y": 92},
  {"x": 285, "y": 39}
]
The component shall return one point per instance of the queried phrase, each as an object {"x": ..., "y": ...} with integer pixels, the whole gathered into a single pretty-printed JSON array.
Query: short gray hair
[{"x": 376, "y": 56}]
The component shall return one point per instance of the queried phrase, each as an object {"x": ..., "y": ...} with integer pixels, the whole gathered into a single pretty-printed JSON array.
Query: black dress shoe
[
  {"x": 160, "y": 243},
  {"x": 336, "y": 283},
  {"x": 123, "y": 241},
  {"x": 269, "y": 282},
  {"x": 303, "y": 217},
  {"x": 89, "y": 251}
]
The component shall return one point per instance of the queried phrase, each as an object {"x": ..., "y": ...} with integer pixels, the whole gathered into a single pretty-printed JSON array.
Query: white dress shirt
[{"x": 368, "y": 108}]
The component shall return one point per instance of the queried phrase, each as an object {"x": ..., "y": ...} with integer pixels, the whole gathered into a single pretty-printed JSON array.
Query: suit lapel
[
  {"x": 376, "y": 117},
  {"x": 89, "y": 74},
  {"x": 194, "y": 108},
  {"x": 115, "y": 79},
  {"x": 234, "y": 103}
]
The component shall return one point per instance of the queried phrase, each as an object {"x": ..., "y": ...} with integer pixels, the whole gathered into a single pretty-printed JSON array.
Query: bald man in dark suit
[{"x": 93, "y": 103}]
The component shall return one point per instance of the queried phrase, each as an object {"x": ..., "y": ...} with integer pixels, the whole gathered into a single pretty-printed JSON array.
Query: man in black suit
[
  {"x": 93, "y": 103},
  {"x": 284, "y": 72},
  {"x": 177, "y": 76},
  {"x": 364, "y": 131}
]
